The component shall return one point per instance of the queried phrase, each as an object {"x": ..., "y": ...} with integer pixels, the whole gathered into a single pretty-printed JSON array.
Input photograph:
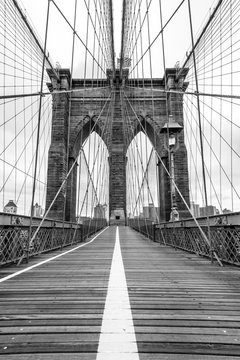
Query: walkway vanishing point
[{"x": 181, "y": 305}]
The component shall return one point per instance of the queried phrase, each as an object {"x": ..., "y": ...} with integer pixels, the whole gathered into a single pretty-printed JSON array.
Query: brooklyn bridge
[{"x": 119, "y": 191}]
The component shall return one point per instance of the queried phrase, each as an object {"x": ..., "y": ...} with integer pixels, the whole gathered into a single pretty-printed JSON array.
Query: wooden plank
[
  {"x": 54, "y": 329},
  {"x": 50, "y": 356},
  {"x": 139, "y": 330},
  {"x": 189, "y": 348},
  {"x": 229, "y": 324},
  {"x": 188, "y": 330},
  {"x": 58, "y": 337},
  {"x": 57, "y": 347},
  {"x": 49, "y": 322},
  {"x": 162, "y": 356}
]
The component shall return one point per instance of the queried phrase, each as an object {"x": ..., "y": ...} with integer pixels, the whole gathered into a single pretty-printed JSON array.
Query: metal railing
[
  {"x": 144, "y": 226},
  {"x": 14, "y": 239},
  {"x": 224, "y": 239}
]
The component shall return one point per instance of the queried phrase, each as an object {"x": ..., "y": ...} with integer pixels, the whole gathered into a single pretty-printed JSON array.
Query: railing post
[
  {"x": 81, "y": 233},
  {"x": 154, "y": 232}
]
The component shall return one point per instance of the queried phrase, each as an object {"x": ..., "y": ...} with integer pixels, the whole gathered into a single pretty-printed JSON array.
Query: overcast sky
[{"x": 177, "y": 37}]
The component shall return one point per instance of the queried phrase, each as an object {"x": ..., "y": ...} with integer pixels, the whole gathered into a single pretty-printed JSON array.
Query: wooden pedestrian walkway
[{"x": 182, "y": 306}]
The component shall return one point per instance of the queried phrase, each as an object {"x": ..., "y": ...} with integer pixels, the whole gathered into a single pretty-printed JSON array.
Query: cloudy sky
[{"x": 177, "y": 37}]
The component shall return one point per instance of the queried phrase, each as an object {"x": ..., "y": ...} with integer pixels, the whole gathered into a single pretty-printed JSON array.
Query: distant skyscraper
[
  {"x": 208, "y": 210},
  {"x": 146, "y": 212},
  {"x": 150, "y": 212},
  {"x": 195, "y": 209},
  {"x": 99, "y": 211}
]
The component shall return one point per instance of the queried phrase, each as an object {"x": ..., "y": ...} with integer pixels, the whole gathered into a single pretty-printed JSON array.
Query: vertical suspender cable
[
  {"x": 231, "y": 112},
  {"x": 166, "y": 94},
  {"x": 94, "y": 43},
  {"x": 79, "y": 187},
  {"x": 24, "y": 119},
  {"x": 69, "y": 117},
  {"x": 38, "y": 128},
  {"x": 211, "y": 119},
  {"x": 89, "y": 137},
  {"x": 4, "y": 106},
  {"x": 150, "y": 64},
  {"x": 15, "y": 103},
  {"x": 221, "y": 108},
  {"x": 200, "y": 126}
]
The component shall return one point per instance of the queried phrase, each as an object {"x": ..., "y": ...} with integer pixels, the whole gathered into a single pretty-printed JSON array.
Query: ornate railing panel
[{"x": 224, "y": 239}]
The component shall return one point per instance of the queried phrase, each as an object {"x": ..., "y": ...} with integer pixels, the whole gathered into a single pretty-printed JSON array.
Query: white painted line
[
  {"x": 117, "y": 339},
  {"x": 50, "y": 259}
]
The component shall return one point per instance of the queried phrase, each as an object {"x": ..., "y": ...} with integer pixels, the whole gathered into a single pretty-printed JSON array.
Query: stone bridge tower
[{"x": 82, "y": 119}]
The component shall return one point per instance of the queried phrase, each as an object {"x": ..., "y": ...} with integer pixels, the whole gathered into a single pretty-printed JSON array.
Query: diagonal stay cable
[{"x": 50, "y": 93}]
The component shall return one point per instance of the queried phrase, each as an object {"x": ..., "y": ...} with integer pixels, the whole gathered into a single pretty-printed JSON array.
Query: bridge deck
[{"x": 182, "y": 306}]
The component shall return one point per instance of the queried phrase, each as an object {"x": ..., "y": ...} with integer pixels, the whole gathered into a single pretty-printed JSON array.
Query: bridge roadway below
[{"x": 182, "y": 306}]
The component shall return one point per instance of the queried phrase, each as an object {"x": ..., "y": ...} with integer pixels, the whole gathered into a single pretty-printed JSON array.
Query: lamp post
[{"x": 171, "y": 144}]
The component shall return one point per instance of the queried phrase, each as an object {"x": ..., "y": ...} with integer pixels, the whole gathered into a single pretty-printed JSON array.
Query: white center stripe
[{"x": 117, "y": 339}]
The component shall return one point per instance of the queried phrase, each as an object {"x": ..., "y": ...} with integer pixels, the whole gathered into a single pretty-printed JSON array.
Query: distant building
[
  {"x": 208, "y": 210},
  {"x": 150, "y": 212},
  {"x": 195, "y": 209},
  {"x": 226, "y": 211},
  {"x": 83, "y": 219},
  {"x": 37, "y": 210},
  {"x": 146, "y": 212},
  {"x": 100, "y": 211},
  {"x": 130, "y": 216},
  {"x": 157, "y": 213},
  {"x": 10, "y": 208}
]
